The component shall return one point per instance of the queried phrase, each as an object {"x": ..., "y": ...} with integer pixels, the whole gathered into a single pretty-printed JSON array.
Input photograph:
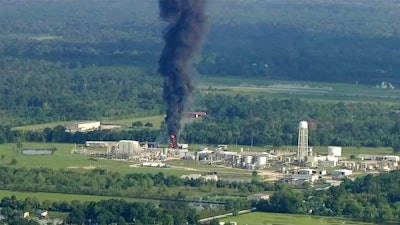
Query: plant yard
[{"x": 63, "y": 159}]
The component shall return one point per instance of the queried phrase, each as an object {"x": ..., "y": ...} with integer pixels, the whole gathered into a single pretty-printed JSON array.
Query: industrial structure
[
  {"x": 294, "y": 167},
  {"x": 83, "y": 126},
  {"x": 302, "y": 148}
]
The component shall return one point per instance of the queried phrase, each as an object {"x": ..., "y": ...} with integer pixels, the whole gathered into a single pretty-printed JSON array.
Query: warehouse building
[{"x": 83, "y": 126}]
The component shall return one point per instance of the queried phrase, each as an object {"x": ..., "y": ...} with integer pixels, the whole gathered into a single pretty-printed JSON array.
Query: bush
[
  {"x": 137, "y": 124},
  {"x": 13, "y": 162}
]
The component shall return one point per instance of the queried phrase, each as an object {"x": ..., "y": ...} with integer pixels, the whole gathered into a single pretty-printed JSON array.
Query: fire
[{"x": 172, "y": 141}]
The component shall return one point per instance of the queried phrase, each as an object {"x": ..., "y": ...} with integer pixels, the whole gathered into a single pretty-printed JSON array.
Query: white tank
[
  {"x": 334, "y": 151},
  {"x": 127, "y": 147},
  {"x": 303, "y": 125},
  {"x": 248, "y": 159},
  {"x": 261, "y": 160}
]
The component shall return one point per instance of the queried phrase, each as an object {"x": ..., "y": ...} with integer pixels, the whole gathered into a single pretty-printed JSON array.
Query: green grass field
[
  {"x": 155, "y": 120},
  {"x": 314, "y": 91},
  {"x": 259, "y": 218},
  {"x": 57, "y": 197},
  {"x": 126, "y": 123},
  {"x": 63, "y": 159}
]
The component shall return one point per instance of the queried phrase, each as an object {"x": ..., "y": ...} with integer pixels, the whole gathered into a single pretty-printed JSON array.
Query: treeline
[
  {"x": 259, "y": 121},
  {"x": 374, "y": 198},
  {"x": 105, "y": 183},
  {"x": 111, "y": 211}
]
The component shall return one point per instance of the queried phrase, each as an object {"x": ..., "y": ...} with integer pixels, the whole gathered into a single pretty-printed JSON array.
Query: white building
[
  {"x": 392, "y": 158},
  {"x": 83, "y": 126},
  {"x": 340, "y": 174},
  {"x": 305, "y": 174},
  {"x": 153, "y": 164},
  {"x": 191, "y": 176},
  {"x": 258, "y": 197},
  {"x": 325, "y": 161},
  {"x": 208, "y": 177},
  {"x": 100, "y": 144}
]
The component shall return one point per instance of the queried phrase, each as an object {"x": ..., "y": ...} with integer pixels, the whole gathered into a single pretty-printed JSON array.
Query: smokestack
[{"x": 183, "y": 38}]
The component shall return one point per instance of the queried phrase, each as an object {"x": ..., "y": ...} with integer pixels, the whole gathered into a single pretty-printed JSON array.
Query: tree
[
  {"x": 2, "y": 138},
  {"x": 19, "y": 145},
  {"x": 137, "y": 124},
  {"x": 13, "y": 162},
  {"x": 396, "y": 147},
  {"x": 148, "y": 124}
]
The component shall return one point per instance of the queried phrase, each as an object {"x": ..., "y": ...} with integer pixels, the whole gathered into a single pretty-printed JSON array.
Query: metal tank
[
  {"x": 335, "y": 151},
  {"x": 248, "y": 159},
  {"x": 261, "y": 160}
]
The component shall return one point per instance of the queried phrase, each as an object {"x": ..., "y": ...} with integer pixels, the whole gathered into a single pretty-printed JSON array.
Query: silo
[
  {"x": 335, "y": 151},
  {"x": 261, "y": 160},
  {"x": 128, "y": 147},
  {"x": 248, "y": 159}
]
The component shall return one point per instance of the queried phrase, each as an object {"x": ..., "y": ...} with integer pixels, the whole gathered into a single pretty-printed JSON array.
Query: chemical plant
[{"x": 286, "y": 166}]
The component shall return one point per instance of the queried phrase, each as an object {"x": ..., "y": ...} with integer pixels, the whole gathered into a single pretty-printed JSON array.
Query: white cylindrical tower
[
  {"x": 248, "y": 159},
  {"x": 261, "y": 160},
  {"x": 302, "y": 148},
  {"x": 335, "y": 151}
]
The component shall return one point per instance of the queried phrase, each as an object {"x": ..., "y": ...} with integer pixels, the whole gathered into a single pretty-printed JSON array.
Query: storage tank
[
  {"x": 335, "y": 151},
  {"x": 303, "y": 125},
  {"x": 248, "y": 159},
  {"x": 127, "y": 147},
  {"x": 261, "y": 160}
]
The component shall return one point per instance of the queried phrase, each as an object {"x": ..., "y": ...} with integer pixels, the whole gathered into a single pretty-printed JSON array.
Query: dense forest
[
  {"x": 256, "y": 121},
  {"x": 313, "y": 40},
  {"x": 73, "y": 60},
  {"x": 368, "y": 198},
  {"x": 102, "y": 212},
  {"x": 40, "y": 91},
  {"x": 106, "y": 183}
]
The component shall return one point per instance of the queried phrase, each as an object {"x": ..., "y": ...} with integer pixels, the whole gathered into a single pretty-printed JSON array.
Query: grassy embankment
[{"x": 58, "y": 197}]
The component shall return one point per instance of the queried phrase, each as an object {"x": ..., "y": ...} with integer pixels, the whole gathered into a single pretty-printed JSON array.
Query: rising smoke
[{"x": 183, "y": 38}]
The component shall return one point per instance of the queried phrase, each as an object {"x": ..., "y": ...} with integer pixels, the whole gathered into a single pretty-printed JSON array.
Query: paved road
[{"x": 225, "y": 215}]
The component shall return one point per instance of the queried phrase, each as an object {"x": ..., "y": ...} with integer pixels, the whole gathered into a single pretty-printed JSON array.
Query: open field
[
  {"x": 127, "y": 122},
  {"x": 303, "y": 90},
  {"x": 155, "y": 120},
  {"x": 260, "y": 218},
  {"x": 58, "y": 197}
]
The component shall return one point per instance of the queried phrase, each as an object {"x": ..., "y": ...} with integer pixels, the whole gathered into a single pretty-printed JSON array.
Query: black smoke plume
[{"x": 183, "y": 37}]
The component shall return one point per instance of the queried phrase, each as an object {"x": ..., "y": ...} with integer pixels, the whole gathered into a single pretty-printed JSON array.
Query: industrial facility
[{"x": 295, "y": 167}]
